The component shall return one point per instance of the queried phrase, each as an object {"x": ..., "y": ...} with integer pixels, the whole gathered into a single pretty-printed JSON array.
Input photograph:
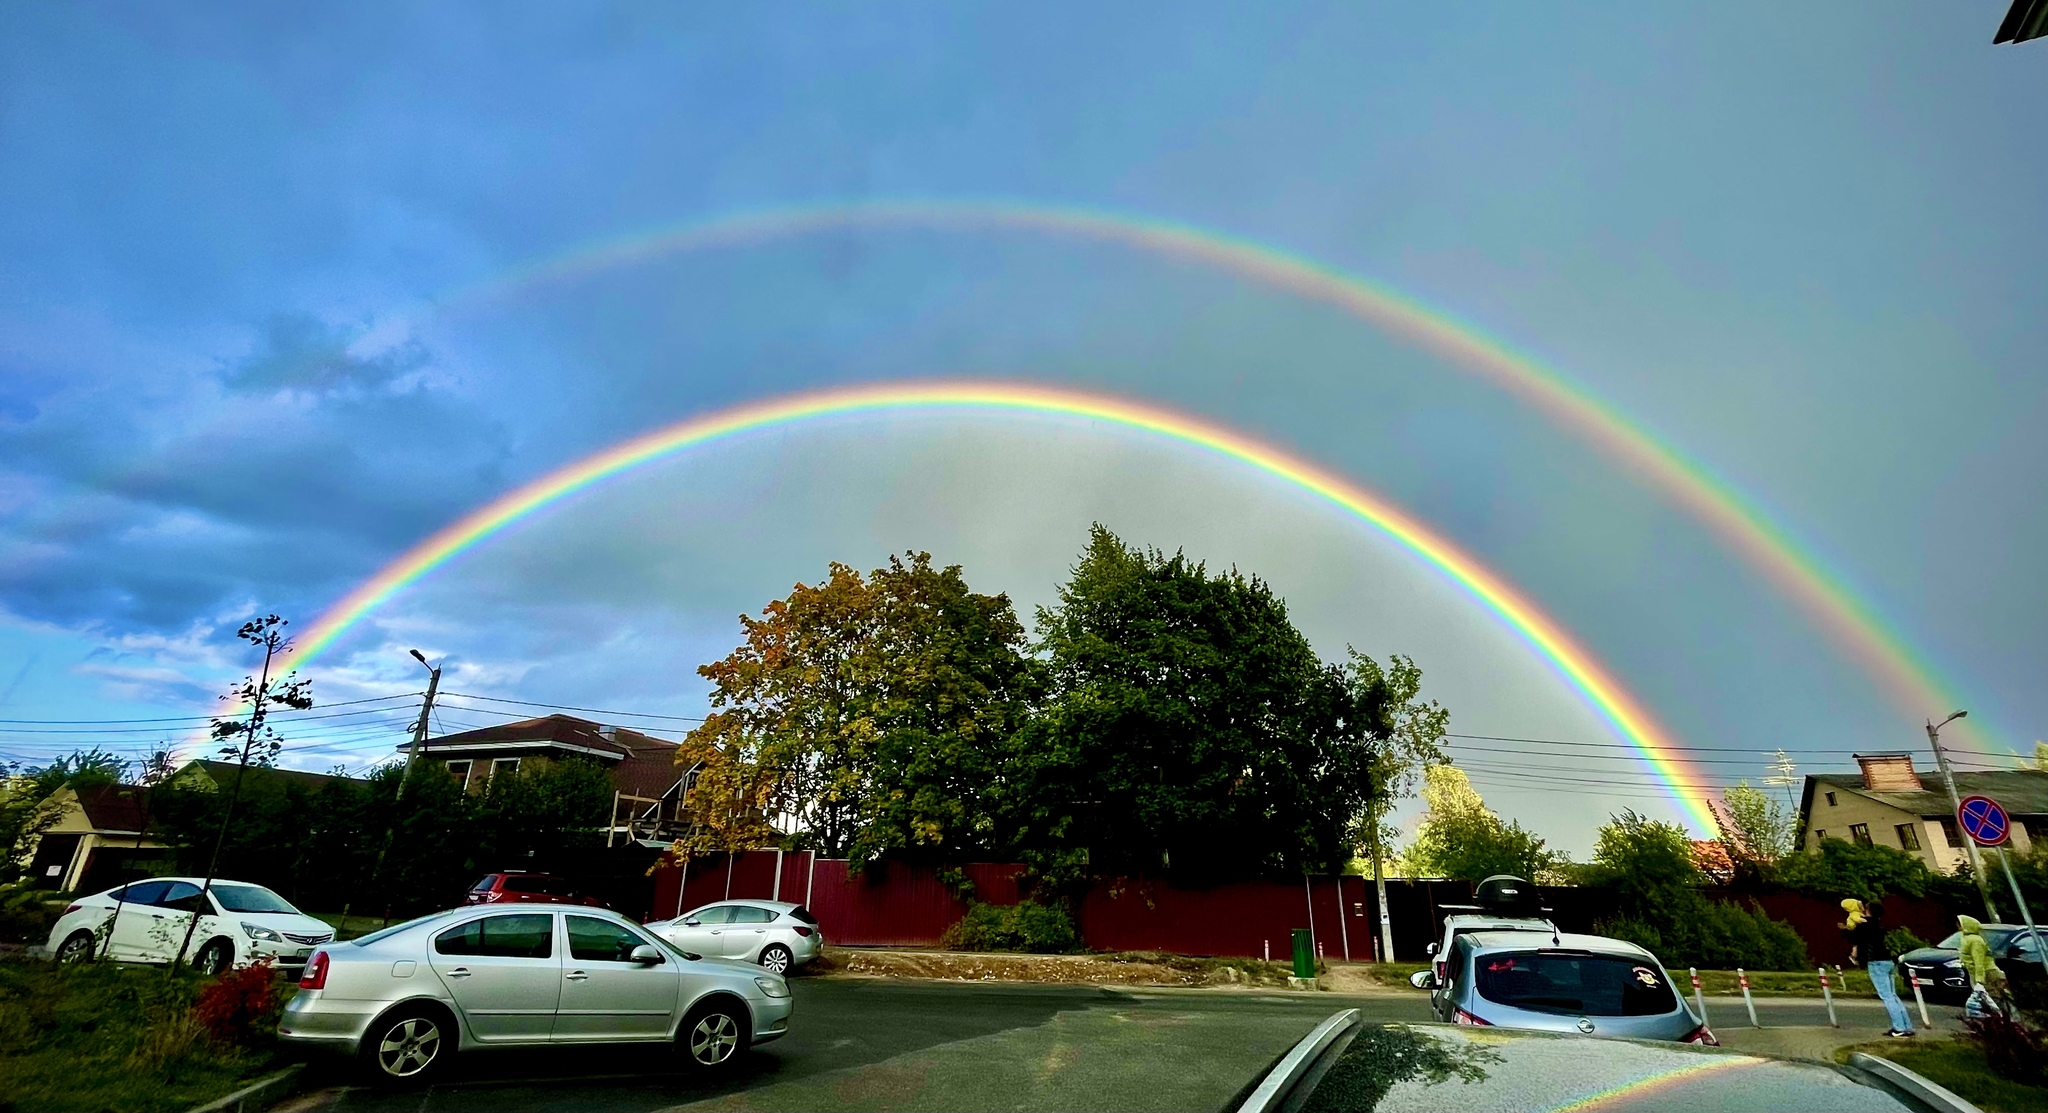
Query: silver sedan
[{"x": 406, "y": 999}]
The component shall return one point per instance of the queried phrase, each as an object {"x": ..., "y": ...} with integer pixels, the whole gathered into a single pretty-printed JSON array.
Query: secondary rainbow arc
[
  {"x": 1578, "y": 667},
  {"x": 1907, "y": 681}
]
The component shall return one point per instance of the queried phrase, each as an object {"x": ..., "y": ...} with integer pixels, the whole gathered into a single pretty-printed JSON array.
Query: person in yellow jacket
[{"x": 1985, "y": 976}]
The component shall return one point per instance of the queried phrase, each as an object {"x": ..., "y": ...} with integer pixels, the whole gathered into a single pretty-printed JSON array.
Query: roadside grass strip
[{"x": 1960, "y": 1066}]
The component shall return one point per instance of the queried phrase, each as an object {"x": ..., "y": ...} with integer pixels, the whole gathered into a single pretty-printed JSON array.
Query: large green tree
[
  {"x": 1461, "y": 837},
  {"x": 1189, "y": 726}
]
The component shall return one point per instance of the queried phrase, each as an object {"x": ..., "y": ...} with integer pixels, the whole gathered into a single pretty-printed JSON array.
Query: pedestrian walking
[
  {"x": 1985, "y": 976},
  {"x": 1865, "y": 929}
]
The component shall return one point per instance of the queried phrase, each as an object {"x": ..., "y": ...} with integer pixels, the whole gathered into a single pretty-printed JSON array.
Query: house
[
  {"x": 99, "y": 840},
  {"x": 1891, "y": 804},
  {"x": 647, "y": 784}
]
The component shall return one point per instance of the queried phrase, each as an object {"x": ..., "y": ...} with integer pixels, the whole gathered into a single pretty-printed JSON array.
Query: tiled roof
[
  {"x": 565, "y": 729},
  {"x": 113, "y": 807},
  {"x": 2020, "y": 792}
]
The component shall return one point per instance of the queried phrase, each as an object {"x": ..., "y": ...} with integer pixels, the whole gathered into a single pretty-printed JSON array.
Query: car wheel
[
  {"x": 77, "y": 947},
  {"x": 776, "y": 959},
  {"x": 214, "y": 958},
  {"x": 408, "y": 1047},
  {"x": 713, "y": 1036}
]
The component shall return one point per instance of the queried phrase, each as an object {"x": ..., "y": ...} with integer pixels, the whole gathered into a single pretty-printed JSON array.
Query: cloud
[{"x": 304, "y": 353}]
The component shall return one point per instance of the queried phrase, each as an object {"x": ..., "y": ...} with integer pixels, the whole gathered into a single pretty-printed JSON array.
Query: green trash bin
[{"x": 1304, "y": 954}]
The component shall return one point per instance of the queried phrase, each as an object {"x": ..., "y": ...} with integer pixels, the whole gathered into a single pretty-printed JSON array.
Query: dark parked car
[
  {"x": 1941, "y": 973},
  {"x": 520, "y": 887}
]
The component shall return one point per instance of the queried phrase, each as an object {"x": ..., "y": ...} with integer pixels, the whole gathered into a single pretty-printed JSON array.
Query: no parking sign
[{"x": 1984, "y": 821}]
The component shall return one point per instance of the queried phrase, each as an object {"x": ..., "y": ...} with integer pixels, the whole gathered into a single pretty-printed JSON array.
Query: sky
[{"x": 257, "y": 339}]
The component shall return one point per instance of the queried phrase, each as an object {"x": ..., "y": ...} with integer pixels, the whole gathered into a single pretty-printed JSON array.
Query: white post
[
  {"x": 1699, "y": 1000},
  {"x": 1919, "y": 999},
  {"x": 1828, "y": 995},
  {"x": 1269, "y": 950},
  {"x": 777, "y": 893},
  {"x": 811, "y": 878},
  {"x": 1343, "y": 928},
  {"x": 1311, "y": 895},
  {"x": 1748, "y": 1002}
]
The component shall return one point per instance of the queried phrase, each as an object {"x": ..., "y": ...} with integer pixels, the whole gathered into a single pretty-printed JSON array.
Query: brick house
[
  {"x": 647, "y": 783},
  {"x": 1891, "y": 804}
]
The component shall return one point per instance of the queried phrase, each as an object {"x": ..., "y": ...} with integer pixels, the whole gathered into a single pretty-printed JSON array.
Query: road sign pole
[{"x": 2026, "y": 915}]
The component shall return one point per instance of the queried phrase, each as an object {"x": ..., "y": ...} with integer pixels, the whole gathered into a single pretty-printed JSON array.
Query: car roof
[
  {"x": 1471, "y": 922},
  {"x": 1486, "y": 941},
  {"x": 781, "y": 904}
]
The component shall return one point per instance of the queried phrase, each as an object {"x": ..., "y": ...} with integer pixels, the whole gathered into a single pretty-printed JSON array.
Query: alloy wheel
[
  {"x": 713, "y": 1039},
  {"x": 775, "y": 960},
  {"x": 75, "y": 949},
  {"x": 409, "y": 1047}
]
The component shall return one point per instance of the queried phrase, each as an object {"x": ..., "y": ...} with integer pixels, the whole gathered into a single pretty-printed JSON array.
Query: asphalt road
[{"x": 911, "y": 1045}]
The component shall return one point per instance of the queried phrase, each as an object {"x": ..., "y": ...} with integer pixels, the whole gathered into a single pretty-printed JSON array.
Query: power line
[
  {"x": 190, "y": 718},
  {"x": 591, "y": 710}
]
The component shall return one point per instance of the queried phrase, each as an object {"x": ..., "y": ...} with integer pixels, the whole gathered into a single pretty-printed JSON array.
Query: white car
[
  {"x": 239, "y": 924},
  {"x": 776, "y": 934}
]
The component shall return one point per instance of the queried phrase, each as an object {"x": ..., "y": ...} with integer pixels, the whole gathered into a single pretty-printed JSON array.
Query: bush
[
  {"x": 1844, "y": 869},
  {"x": 1028, "y": 926},
  {"x": 1900, "y": 940},
  {"x": 2011, "y": 1046},
  {"x": 239, "y": 1005},
  {"x": 1715, "y": 936},
  {"x": 25, "y": 913}
]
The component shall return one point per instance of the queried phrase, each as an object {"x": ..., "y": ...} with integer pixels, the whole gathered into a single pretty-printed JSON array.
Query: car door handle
[
  {"x": 459, "y": 972},
  {"x": 576, "y": 976}
]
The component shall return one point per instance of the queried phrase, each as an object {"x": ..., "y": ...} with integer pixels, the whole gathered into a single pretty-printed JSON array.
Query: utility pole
[
  {"x": 1782, "y": 774},
  {"x": 1956, "y": 805},
  {"x": 419, "y": 729}
]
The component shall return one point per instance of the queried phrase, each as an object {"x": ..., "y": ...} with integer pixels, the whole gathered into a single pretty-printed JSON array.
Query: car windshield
[
  {"x": 249, "y": 898},
  {"x": 394, "y": 929},
  {"x": 1579, "y": 984},
  {"x": 1995, "y": 937}
]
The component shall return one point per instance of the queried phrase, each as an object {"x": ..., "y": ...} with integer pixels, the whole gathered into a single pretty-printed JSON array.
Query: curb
[
  {"x": 262, "y": 1093},
  {"x": 1934, "y": 1094}
]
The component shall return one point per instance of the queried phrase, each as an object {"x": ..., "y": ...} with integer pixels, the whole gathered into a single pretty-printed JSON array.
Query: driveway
[{"x": 911, "y": 1045}]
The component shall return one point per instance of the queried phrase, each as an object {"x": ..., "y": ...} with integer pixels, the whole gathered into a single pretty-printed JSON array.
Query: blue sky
[{"x": 1795, "y": 242}]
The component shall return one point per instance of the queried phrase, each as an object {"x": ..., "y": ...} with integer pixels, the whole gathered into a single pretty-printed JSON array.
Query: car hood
[
  {"x": 1929, "y": 956},
  {"x": 1426, "y": 1068}
]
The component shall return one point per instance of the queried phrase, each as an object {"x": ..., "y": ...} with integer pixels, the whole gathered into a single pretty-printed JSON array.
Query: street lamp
[
  {"x": 419, "y": 729},
  {"x": 1956, "y": 802}
]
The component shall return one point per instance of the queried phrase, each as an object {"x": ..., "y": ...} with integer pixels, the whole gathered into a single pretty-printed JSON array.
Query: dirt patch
[{"x": 1136, "y": 968}]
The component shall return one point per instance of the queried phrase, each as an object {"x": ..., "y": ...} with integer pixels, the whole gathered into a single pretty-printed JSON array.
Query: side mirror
[
  {"x": 1431, "y": 949},
  {"x": 693, "y": 923},
  {"x": 1423, "y": 979},
  {"x": 646, "y": 955}
]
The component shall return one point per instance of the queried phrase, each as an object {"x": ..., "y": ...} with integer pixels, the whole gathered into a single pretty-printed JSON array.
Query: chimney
[
  {"x": 608, "y": 733},
  {"x": 1889, "y": 772}
]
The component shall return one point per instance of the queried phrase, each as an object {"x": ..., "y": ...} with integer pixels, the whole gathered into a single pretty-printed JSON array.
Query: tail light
[
  {"x": 1703, "y": 1036},
  {"x": 315, "y": 975},
  {"x": 72, "y": 909},
  {"x": 803, "y": 931},
  {"x": 1460, "y": 1016}
]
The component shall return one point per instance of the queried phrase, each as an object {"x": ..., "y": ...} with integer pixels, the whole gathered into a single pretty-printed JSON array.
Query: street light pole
[
  {"x": 1956, "y": 803},
  {"x": 419, "y": 729}
]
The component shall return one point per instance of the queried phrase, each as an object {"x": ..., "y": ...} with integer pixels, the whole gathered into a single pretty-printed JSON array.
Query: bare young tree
[{"x": 250, "y": 741}]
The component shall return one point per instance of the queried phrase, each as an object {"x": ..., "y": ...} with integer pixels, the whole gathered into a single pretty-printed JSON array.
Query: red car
[{"x": 520, "y": 887}]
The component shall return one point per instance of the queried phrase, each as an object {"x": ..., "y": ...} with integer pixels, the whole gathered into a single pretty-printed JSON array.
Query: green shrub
[
  {"x": 1028, "y": 926},
  {"x": 25, "y": 913},
  {"x": 1715, "y": 936},
  {"x": 1900, "y": 940}
]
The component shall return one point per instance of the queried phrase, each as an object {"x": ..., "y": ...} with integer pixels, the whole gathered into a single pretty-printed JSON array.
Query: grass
[
  {"x": 98, "y": 1036},
  {"x": 1796, "y": 983},
  {"x": 356, "y": 925},
  {"x": 1960, "y": 1066}
]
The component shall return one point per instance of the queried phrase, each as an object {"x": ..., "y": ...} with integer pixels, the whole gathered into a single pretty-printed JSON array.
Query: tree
[
  {"x": 1846, "y": 869},
  {"x": 1410, "y": 739},
  {"x": 250, "y": 741},
  {"x": 1652, "y": 871},
  {"x": 873, "y": 712},
  {"x": 1756, "y": 832},
  {"x": 1648, "y": 864},
  {"x": 1460, "y": 837},
  {"x": 1187, "y": 723}
]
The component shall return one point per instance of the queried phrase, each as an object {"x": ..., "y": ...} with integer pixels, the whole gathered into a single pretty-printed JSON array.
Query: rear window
[
  {"x": 484, "y": 886},
  {"x": 382, "y": 934},
  {"x": 531, "y": 884},
  {"x": 748, "y": 914},
  {"x": 802, "y": 915},
  {"x": 249, "y": 898},
  {"x": 521, "y": 936},
  {"x": 1581, "y": 985}
]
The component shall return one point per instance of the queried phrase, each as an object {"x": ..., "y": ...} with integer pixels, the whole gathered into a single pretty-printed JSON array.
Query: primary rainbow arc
[
  {"x": 1572, "y": 662},
  {"x": 1908, "y": 682}
]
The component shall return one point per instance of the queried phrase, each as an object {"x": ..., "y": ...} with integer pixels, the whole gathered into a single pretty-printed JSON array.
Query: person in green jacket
[{"x": 1975, "y": 955}]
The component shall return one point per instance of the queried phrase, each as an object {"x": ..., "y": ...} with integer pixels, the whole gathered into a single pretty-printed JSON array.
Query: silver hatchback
[
  {"x": 407, "y": 998},
  {"x": 1585, "y": 984}
]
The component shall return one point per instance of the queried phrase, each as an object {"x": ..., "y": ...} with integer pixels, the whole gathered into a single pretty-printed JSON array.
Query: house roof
[
  {"x": 222, "y": 774},
  {"x": 645, "y": 765},
  {"x": 113, "y": 807}
]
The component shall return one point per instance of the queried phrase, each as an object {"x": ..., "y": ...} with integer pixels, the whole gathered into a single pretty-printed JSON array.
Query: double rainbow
[{"x": 1572, "y": 662}]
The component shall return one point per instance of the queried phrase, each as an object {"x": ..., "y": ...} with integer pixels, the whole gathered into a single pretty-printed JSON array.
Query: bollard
[
  {"x": 1319, "y": 950},
  {"x": 1828, "y": 995},
  {"x": 1269, "y": 950},
  {"x": 1918, "y": 999},
  {"x": 1699, "y": 1001},
  {"x": 1748, "y": 1002}
]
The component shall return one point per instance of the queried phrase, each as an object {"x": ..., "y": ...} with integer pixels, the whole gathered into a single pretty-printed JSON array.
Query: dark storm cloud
[{"x": 305, "y": 353}]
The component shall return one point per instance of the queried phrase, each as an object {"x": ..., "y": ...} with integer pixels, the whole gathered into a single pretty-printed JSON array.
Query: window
[
  {"x": 459, "y": 770},
  {"x": 484, "y": 886},
  {"x": 1831, "y": 798},
  {"x": 803, "y": 915},
  {"x": 748, "y": 914},
  {"x": 1819, "y": 835},
  {"x": 249, "y": 898},
  {"x": 1909, "y": 835},
  {"x": 1950, "y": 833},
  {"x": 181, "y": 896},
  {"x": 141, "y": 892},
  {"x": 1860, "y": 833},
  {"x": 524, "y": 936},
  {"x": 504, "y": 765},
  {"x": 535, "y": 883},
  {"x": 1574, "y": 984},
  {"x": 595, "y": 940},
  {"x": 716, "y": 914}
]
